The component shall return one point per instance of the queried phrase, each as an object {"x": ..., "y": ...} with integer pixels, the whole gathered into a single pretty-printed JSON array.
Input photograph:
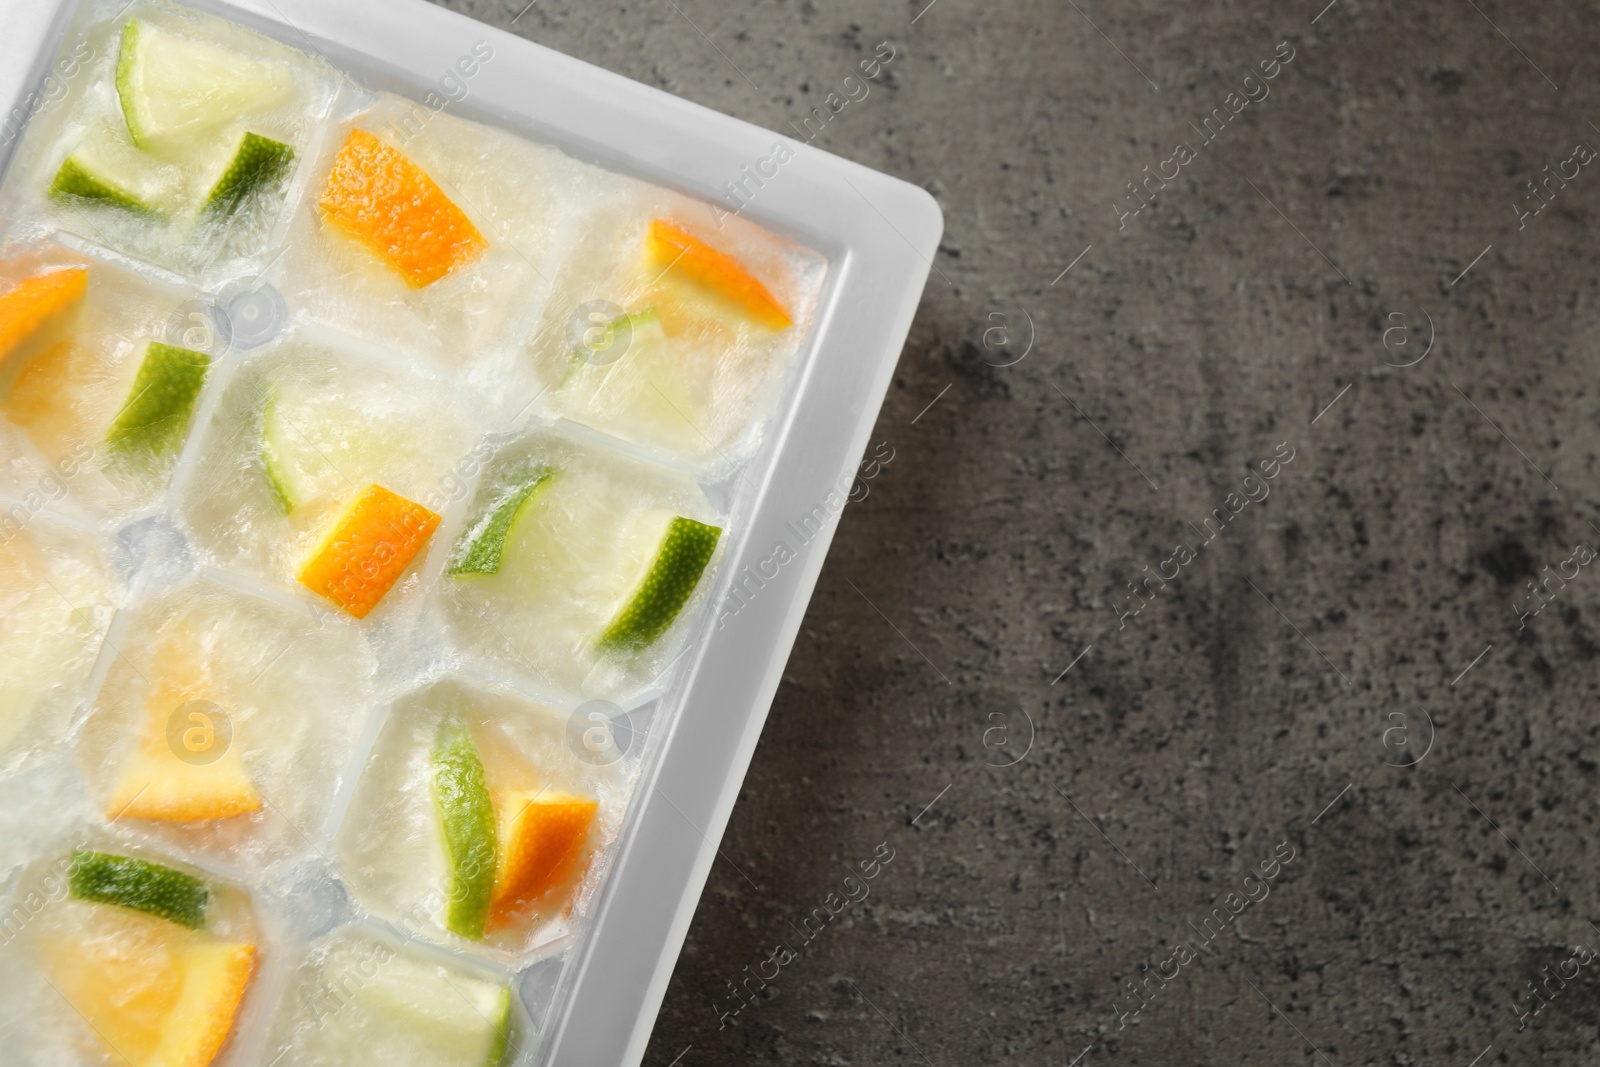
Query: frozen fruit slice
[
  {"x": 367, "y": 548},
  {"x": 31, "y": 303},
  {"x": 482, "y": 546},
  {"x": 155, "y": 418},
  {"x": 630, "y": 378},
  {"x": 312, "y": 446},
  {"x": 278, "y": 441},
  {"x": 626, "y": 338},
  {"x": 685, "y": 550},
  {"x": 619, "y": 338},
  {"x": 155, "y": 994},
  {"x": 257, "y": 163},
  {"x": 383, "y": 200},
  {"x": 673, "y": 246},
  {"x": 86, "y": 176},
  {"x": 175, "y": 89},
  {"x": 130, "y": 882},
  {"x": 451, "y": 1019},
  {"x": 175, "y": 773},
  {"x": 466, "y": 823},
  {"x": 542, "y": 838}
]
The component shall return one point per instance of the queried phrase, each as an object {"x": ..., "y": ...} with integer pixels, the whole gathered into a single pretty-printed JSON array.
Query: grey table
[{"x": 1207, "y": 674}]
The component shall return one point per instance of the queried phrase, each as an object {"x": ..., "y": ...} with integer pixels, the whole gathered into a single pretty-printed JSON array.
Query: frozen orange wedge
[
  {"x": 383, "y": 200},
  {"x": 542, "y": 838},
  {"x": 367, "y": 548},
  {"x": 183, "y": 769},
  {"x": 156, "y": 994},
  {"x": 29, "y": 305},
  {"x": 673, "y": 246}
]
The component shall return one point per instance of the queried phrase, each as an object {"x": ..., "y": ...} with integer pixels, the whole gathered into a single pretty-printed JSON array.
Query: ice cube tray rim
[{"x": 622, "y": 968}]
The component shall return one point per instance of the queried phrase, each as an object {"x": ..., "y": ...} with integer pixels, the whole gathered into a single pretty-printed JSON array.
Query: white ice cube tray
[{"x": 591, "y": 996}]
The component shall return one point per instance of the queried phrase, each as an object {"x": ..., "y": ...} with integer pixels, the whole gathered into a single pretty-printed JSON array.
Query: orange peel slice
[
  {"x": 384, "y": 201},
  {"x": 682, "y": 251},
  {"x": 31, "y": 303},
  {"x": 366, "y": 549}
]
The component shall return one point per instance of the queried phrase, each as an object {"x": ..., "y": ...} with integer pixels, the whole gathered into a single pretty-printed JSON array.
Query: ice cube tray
[{"x": 588, "y": 992}]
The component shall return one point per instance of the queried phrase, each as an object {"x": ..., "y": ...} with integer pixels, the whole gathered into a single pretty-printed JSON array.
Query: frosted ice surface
[{"x": 56, "y": 599}]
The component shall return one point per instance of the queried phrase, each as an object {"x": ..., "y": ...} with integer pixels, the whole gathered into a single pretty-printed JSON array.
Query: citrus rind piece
[
  {"x": 481, "y": 547},
  {"x": 381, "y": 199},
  {"x": 467, "y": 827},
  {"x": 366, "y": 549},
  {"x": 685, "y": 550},
  {"x": 131, "y": 882}
]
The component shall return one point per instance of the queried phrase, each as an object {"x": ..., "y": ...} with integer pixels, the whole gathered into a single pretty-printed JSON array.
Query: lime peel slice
[
  {"x": 174, "y": 89},
  {"x": 257, "y": 163},
  {"x": 685, "y": 551},
  {"x": 83, "y": 178},
  {"x": 103, "y": 878},
  {"x": 155, "y": 417},
  {"x": 467, "y": 824},
  {"x": 274, "y": 452},
  {"x": 481, "y": 548},
  {"x": 630, "y": 329}
]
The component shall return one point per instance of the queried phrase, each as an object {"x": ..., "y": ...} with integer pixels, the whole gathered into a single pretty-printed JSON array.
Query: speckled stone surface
[{"x": 1327, "y": 719}]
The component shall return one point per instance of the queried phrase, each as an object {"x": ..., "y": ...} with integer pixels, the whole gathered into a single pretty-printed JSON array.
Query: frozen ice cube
[
  {"x": 391, "y": 846},
  {"x": 514, "y": 193},
  {"x": 81, "y": 415},
  {"x": 365, "y": 996},
  {"x": 146, "y": 152},
  {"x": 679, "y": 367},
  {"x": 304, "y": 427},
  {"x": 226, "y": 721},
  {"x": 575, "y": 556}
]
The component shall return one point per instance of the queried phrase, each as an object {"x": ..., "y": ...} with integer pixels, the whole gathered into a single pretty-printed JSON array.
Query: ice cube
[
  {"x": 514, "y": 194},
  {"x": 304, "y": 427},
  {"x": 101, "y": 941},
  {"x": 226, "y": 722},
  {"x": 680, "y": 367},
  {"x": 364, "y": 996},
  {"x": 574, "y": 558},
  {"x": 391, "y": 845},
  {"x": 147, "y": 152},
  {"x": 83, "y": 406}
]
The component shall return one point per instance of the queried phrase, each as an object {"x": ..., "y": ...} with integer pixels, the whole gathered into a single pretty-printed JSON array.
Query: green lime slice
[
  {"x": 102, "y": 878},
  {"x": 256, "y": 165},
  {"x": 466, "y": 822},
  {"x": 87, "y": 177},
  {"x": 275, "y": 449},
  {"x": 483, "y": 545},
  {"x": 685, "y": 550},
  {"x": 451, "y": 1018},
  {"x": 175, "y": 89},
  {"x": 155, "y": 418},
  {"x": 630, "y": 336}
]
